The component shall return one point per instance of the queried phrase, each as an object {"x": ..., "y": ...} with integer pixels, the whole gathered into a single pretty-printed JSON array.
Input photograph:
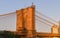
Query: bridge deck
[
  {"x": 39, "y": 34},
  {"x": 47, "y": 35}
]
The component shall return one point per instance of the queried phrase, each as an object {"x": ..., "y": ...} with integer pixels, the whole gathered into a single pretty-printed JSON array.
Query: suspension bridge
[{"x": 26, "y": 20}]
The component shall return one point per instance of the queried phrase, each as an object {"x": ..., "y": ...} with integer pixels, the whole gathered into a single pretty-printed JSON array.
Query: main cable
[
  {"x": 45, "y": 16},
  {"x": 39, "y": 21},
  {"x": 44, "y": 19}
]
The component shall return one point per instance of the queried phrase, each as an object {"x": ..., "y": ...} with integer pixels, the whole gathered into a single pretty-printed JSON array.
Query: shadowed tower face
[{"x": 26, "y": 20}]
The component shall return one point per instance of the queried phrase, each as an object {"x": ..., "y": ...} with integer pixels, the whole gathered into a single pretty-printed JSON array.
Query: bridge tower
[
  {"x": 59, "y": 27},
  {"x": 26, "y": 21},
  {"x": 54, "y": 29}
]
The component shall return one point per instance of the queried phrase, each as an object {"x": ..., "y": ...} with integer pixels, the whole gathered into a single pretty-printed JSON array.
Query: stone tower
[
  {"x": 54, "y": 29},
  {"x": 26, "y": 21},
  {"x": 59, "y": 27}
]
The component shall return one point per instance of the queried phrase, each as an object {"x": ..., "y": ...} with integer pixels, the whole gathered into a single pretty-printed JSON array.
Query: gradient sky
[{"x": 50, "y": 8}]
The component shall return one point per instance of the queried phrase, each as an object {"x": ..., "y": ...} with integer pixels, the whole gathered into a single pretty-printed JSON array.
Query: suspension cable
[
  {"x": 43, "y": 22},
  {"x": 45, "y": 16},
  {"x": 44, "y": 19},
  {"x": 36, "y": 19},
  {"x": 8, "y": 14}
]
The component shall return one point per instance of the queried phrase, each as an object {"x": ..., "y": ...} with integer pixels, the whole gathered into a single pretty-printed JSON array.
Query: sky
[{"x": 50, "y": 8}]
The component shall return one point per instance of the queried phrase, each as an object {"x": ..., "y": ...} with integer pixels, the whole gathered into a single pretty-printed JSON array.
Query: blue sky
[{"x": 50, "y": 8}]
